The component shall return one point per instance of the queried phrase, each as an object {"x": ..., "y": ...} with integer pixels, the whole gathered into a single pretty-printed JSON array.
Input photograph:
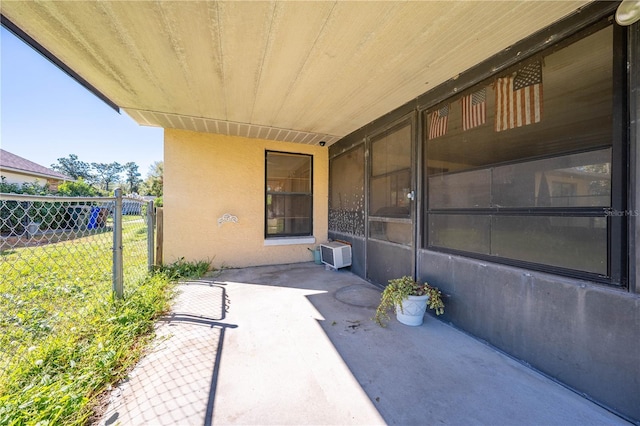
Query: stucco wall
[
  {"x": 208, "y": 175},
  {"x": 19, "y": 178}
]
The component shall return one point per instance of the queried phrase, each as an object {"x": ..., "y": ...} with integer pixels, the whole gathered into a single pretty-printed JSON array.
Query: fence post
[
  {"x": 159, "y": 236},
  {"x": 150, "y": 240},
  {"x": 117, "y": 246}
]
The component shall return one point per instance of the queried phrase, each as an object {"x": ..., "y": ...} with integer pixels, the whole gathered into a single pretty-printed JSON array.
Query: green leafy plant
[
  {"x": 79, "y": 188},
  {"x": 398, "y": 290},
  {"x": 183, "y": 269}
]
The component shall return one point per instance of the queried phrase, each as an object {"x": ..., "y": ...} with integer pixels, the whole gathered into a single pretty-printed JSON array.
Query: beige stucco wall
[
  {"x": 20, "y": 178},
  {"x": 208, "y": 175}
]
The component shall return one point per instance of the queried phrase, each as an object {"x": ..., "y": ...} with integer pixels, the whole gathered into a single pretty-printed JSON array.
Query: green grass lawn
[{"x": 63, "y": 337}]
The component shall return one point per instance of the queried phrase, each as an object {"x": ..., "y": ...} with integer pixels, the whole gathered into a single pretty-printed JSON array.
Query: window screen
[
  {"x": 519, "y": 168},
  {"x": 346, "y": 195}
]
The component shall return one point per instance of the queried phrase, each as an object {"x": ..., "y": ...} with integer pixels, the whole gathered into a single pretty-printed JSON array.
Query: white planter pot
[{"x": 413, "y": 309}]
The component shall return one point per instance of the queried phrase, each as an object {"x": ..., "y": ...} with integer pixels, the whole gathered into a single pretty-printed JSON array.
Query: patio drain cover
[{"x": 359, "y": 295}]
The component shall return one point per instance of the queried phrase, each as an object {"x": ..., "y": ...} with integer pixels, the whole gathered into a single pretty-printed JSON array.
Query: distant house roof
[{"x": 17, "y": 164}]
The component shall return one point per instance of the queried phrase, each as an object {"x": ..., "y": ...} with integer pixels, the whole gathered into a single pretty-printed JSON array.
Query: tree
[
  {"x": 600, "y": 174},
  {"x": 132, "y": 176},
  {"x": 107, "y": 173},
  {"x": 153, "y": 183},
  {"x": 78, "y": 188},
  {"x": 73, "y": 167}
]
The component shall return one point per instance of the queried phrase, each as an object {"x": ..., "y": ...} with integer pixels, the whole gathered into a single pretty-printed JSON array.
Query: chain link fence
[{"x": 61, "y": 256}]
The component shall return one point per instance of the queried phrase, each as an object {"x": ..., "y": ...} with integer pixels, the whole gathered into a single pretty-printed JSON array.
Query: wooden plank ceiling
[{"x": 285, "y": 70}]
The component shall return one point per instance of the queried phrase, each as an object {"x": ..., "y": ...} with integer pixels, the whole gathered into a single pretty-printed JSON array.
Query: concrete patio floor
[{"x": 295, "y": 344}]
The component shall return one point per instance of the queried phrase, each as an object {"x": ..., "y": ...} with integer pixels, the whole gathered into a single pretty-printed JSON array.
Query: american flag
[
  {"x": 519, "y": 98},
  {"x": 474, "y": 109},
  {"x": 438, "y": 122}
]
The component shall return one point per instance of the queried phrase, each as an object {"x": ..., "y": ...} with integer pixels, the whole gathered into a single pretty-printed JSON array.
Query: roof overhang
[
  {"x": 294, "y": 71},
  {"x": 35, "y": 174}
]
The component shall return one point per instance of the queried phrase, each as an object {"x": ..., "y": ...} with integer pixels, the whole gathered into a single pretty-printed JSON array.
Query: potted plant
[{"x": 409, "y": 300}]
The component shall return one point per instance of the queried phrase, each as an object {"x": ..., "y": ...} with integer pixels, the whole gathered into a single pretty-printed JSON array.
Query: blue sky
[{"x": 46, "y": 115}]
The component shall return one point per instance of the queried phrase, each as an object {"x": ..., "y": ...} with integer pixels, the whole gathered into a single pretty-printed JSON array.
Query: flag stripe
[{"x": 502, "y": 104}]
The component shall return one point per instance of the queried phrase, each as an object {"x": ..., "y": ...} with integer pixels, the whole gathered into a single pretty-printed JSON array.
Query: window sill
[{"x": 285, "y": 241}]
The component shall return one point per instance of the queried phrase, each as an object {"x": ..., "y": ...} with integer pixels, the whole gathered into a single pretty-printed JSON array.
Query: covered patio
[
  {"x": 295, "y": 344},
  {"x": 306, "y": 122}
]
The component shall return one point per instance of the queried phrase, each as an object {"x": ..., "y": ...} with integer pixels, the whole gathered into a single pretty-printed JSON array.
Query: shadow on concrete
[
  {"x": 429, "y": 374},
  {"x": 175, "y": 383},
  {"x": 300, "y": 348}
]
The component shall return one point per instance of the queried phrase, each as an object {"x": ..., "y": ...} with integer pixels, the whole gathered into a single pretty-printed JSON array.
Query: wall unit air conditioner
[{"x": 335, "y": 254}]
